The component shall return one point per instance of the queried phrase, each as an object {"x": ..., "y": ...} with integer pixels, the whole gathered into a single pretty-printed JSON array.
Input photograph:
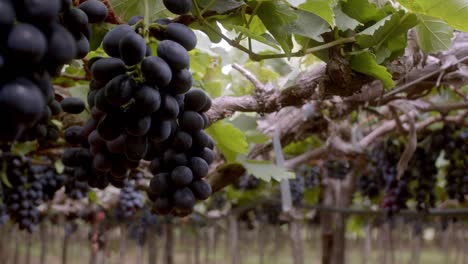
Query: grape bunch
[
  {"x": 24, "y": 194},
  {"x": 247, "y": 182},
  {"x": 36, "y": 39},
  {"x": 311, "y": 175},
  {"x": 143, "y": 108},
  {"x": 337, "y": 169},
  {"x": 3, "y": 214},
  {"x": 50, "y": 180},
  {"x": 75, "y": 188},
  {"x": 297, "y": 187},
  {"x": 130, "y": 200}
]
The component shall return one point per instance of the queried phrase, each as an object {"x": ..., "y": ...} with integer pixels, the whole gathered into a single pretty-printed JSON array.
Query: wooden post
[
  {"x": 233, "y": 239},
  {"x": 169, "y": 245},
  {"x": 197, "y": 247},
  {"x": 296, "y": 242},
  {"x": 122, "y": 243},
  {"x": 43, "y": 238},
  {"x": 28, "y": 248},
  {"x": 367, "y": 243},
  {"x": 152, "y": 248},
  {"x": 66, "y": 236}
]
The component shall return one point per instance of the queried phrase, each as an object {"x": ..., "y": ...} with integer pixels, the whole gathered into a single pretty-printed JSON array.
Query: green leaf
[
  {"x": 309, "y": 25},
  {"x": 266, "y": 170},
  {"x": 362, "y": 10},
  {"x": 24, "y": 148},
  {"x": 59, "y": 167},
  {"x": 128, "y": 8},
  {"x": 344, "y": 22},
  {"x": 81, "y": 91},
  {"x": 277, "y": 18},
  {"x": 248, "y": 125},
  {"x": 454, "y": 12},
  {"x": 99, "y": 31},
  {"x": 255, "y": 36},
  {"x": 215, "y": 38},
  {"x": 389, "y": 27},
  {"x": 322, "y": 8},
  {"x": 433, "y": 34},
  {"x": 92, "y": 197},
  {"x": 4, "y": 176},
  {"x": 229, "y": 140},
  {"x": 365, "y": 63},
  {"x": 220, "y": 6}
]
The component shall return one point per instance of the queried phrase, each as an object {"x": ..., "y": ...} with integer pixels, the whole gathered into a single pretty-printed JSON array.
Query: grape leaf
[
  {"x": 277, "y": 18},
  {"x": 322, "y": 8},
  {"x": 389, "y": 27},
  {"x": 365, "y": 63},
  {"x": 128, "y": 8},
  {"x": 454, "y": 12},
  {"x": 229, "y": 139},
  {"x": 362, "y": 10},
  {"x": 24, "y": 148},
  {"x": 309, "y": 25},
  {"x": 343, "y": 21},
  {"x": 433, "y": 34},
  {"x": 255, "y": 36},
  {"x": 220, "y": 6},
  {"x": 266, "y": 170}
]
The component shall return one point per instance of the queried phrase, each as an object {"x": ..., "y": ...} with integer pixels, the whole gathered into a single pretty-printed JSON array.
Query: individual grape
[
  {"x": 156, "y": 71},
  {"x": 182, "y": 141},
  {"x": 37, "y": 11},
  {"x": 138, "y": 126},
  {"x": 199, "y": 167},
  {"x": 160, "y": 184},
  {"x": 174, "y": 54},
  {"x": 106, "y": 69},
  {"x": 102, "y": 162},
  {"x": 169, "y": 108},
  {"x": 136, "y": 147},
  {"x": 72, "y": 105},
  {"x": 134, "y": 20},
  {"x": 73, "y": 134},
  {"x": 132, "y": 48},
  {"x": 62, "y": 47},
  {"x": 181, "y": 176},
  {"x": 162, "y": 206},
  {"x": 181, "y": 82},
  {"x": 26, "y": 44},
  {"x": 191, "y": 121},
  {"x": 184, "y": 199},
  {"x": 77, "y": 22},
  {"x": 160, "y": 131},
  {"x": 82, "y": 46},
  {"x": 111, "y": 40},
  {"x": 7, "y": 15},
  {"x": 147, "y": 100},
  {"x": 22, "y": 100},
  {"x": 201, "y": 189},
  {"x": 202, "y": 139},
  {"x": 181, "y": 34},
  {"x": 102, "y": 104},
  {"x": 208, "y": 155},
  {"x": 110, "y": 128},
  {"x": 95, "y": 10},
  {"x": 195, "y": 100},
  {"x": 119, "y": 90},
  {"x": 173, "y": 159},
  {"x": 178, "y": 7}
]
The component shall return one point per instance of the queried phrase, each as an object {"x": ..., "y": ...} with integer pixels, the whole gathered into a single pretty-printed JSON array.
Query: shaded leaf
[
  {"x": 433, "y": 34},
  {"x": 365, "y": 63},
  {"x": 266, "y": 170},
  {"x": 229, "y": 139},
  {"x": 322, "y": 8},
  {"x": 362, "y": 10},
  {"x": 24, "y": 148},
  {"x": 309, "y": 25}
]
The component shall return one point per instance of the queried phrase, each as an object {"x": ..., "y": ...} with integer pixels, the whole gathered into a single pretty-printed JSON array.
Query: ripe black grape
[
  {"x": 181, "y": 82},
  {"x": 156, "y": 71},
  {"x": 181, "y": 176},
  {"x": 26, "y": 44},
  {"x": 138, "y": 126},
  {"x": 174, "y": 54},
  {"x": 119, "y": 90},
  {"x": 72, "y": 105},
  {"x": 199, "y": 167},
  {"x": 181, "y": 34},
  {"x": 184, "y": 199},
  {"x": 147, "y": 100},
  {"x": 195, "y": 100},
  {"x": 191, "y": 121},
  {"x": 111, "y": 40},
  {"x": 95, "y": 10},
  {"x": 132, "y": 48},
  {"x": 182, "y": 141},
  {"x": 106, "y": 69},
  {"x": 201, "y": 189},
  {"x": 178, "y": 7}
]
